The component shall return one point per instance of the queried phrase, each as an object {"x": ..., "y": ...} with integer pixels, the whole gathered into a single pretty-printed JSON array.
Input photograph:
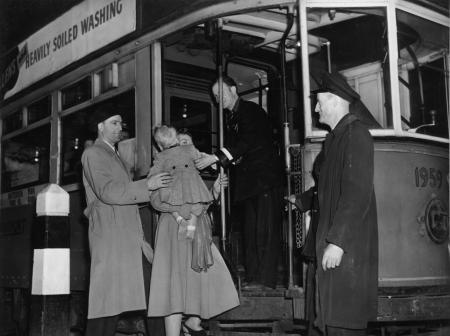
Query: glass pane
[
  {"x": 115, "y": 75},
  {"x": 353, "y": 42},
  {"x": 187, "y": 97},
  {"x": 13, "y": 122},
  {"x": 195, "y": 116},
  {"x": 105, "y": 79},
  {"x": 76, "y": 93},
  {"x": 25, "y": 159},
  {"x": 127, "y": 72},
  {"x": 39, "y": 110},
  {"x": 422, "y": 47},
  {"x": 252, "y": 82},
  {"x": 77, "y": 135}
]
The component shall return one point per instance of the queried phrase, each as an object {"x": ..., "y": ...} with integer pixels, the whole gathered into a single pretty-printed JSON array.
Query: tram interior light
[
  {"x": 36, "y": 155},
  {"x": 184, "y": 111},
  {"x": 332, "y": 14}
]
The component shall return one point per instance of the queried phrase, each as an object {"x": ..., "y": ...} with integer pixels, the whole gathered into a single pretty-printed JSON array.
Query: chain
[
  {"x": 298, "y": 229},
  {"x": 296, "y": 156}
]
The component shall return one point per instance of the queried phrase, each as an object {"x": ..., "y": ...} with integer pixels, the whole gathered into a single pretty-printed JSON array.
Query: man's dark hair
[
  {"x": 226, "y": 80},
  {"x": 229, "y": 81}
]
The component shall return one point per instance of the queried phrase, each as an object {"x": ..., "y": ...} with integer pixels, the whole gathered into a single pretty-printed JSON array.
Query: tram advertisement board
[{"x": 83, "y": 29}]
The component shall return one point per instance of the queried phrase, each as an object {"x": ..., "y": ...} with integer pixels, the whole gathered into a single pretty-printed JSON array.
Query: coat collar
[
  {"x": 338, "y": 130},
  {"x": 236, "y": 106},
  {"x": 109, "y": 149},
  {"x": 104, "y": 145},
  {"x": 342, "y": 124}
]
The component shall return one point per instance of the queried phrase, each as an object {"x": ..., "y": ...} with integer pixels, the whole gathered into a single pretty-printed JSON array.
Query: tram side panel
[
  {"x": 15, "y": 246},
  {"x": 16, "y": 220},
  {"x": 411, "y": 187}
]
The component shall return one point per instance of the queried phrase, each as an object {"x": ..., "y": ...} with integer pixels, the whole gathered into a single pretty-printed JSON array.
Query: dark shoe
[{"x": 189, "y": 331}]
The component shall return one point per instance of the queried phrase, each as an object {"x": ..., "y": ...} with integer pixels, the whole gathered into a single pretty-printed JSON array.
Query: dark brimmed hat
[
  {"x": 102, "y": 113},
  {"x": 335, "y": 83}
]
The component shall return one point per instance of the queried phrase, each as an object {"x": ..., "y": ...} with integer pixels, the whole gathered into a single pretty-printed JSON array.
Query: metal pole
[
  {"x": 290, "y": 22},
  {"x": 289, "y": 191},
  {"x": 222, "y": 172},
  {"x": 446, "y": 79},
  {"x": 419, "y": 77},
  {"x": 328, "y": 55}
]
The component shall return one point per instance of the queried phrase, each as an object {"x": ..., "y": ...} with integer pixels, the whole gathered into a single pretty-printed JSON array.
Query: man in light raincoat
[{"x": 116, "y": 237}]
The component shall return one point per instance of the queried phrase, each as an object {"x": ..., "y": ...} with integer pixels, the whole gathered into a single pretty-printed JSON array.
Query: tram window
[
  {"x": 127, "y": 71},
  {"x": 195, "y": 116},
  {"x": 114, "y": 75},
  {"x": 13, "y": 122},
  {"x": 107, "y": 79},
  {"x": 422, "y": 47},
  {"x": 76, "y": 93},
  {"x": 39, "y": 110},
  {"x": 188, "y": 71},
  {"x": 252, "y": 83},
  {"x": 25, "y": 159},
  {"x": 353, "y": 41},
  {"x": 76, "y": 135}
]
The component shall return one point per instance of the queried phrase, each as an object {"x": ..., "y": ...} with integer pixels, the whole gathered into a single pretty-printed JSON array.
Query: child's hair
[
  {"x": 184, "y": 131},
  {"x": 165, "y": 136}
]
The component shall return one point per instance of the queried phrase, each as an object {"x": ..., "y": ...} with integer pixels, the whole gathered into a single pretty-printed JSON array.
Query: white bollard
[{"x": 50, "y": 287}]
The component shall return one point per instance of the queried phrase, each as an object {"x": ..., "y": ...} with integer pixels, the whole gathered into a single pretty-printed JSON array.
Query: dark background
[{"x": 20, "y": 18}]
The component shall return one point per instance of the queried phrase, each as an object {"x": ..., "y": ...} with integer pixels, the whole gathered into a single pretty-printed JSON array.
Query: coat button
[
  {"x": 174, "y": 167},
  {"x": 186, "y": 165}
]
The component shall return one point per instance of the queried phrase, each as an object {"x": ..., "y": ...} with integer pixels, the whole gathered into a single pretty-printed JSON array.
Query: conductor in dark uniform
[
  {"x": 346, "y": 236},
  {"x": 256, "y": 181}
]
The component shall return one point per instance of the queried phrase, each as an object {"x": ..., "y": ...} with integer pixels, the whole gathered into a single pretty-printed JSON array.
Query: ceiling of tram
[{"x": 20, "y": 18}]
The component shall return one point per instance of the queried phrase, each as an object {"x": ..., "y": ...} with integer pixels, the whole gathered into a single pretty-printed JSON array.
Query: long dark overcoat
[
  {"x": 347, "y": 295},
  {"x": 249, "y": 140},
  {"x": 116, "y": 237}
]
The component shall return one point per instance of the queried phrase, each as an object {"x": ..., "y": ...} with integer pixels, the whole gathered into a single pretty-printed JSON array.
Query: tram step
[
  {"x": 260, "y": 308},
  {"x": 242, "y": 333},
  {"x": 252, "y": 328}
]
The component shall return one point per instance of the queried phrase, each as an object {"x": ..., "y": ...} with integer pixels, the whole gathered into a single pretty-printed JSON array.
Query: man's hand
[
  {"x": 160, "y": 180},
  {"x": 205, "y": 160},
  {"x": 221, "y": 180},
  {"x": 291, "y": 199},
  {"x": 332, "y": 257}
]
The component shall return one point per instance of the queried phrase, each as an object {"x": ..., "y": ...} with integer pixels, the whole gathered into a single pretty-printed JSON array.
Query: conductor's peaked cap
[
  {"x": 102, "y": 113},
  {"x": 336, "y": 84}
]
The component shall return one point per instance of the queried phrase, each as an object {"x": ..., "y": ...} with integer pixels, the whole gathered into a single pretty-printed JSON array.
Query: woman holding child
[{"x": 189, "y": 276}]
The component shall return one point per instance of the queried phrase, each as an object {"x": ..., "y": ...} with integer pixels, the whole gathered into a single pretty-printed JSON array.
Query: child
[{"x": 187, "y": 189}]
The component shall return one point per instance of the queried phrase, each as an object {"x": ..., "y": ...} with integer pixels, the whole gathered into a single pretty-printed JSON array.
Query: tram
[{"x": 156, "y": 60}]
